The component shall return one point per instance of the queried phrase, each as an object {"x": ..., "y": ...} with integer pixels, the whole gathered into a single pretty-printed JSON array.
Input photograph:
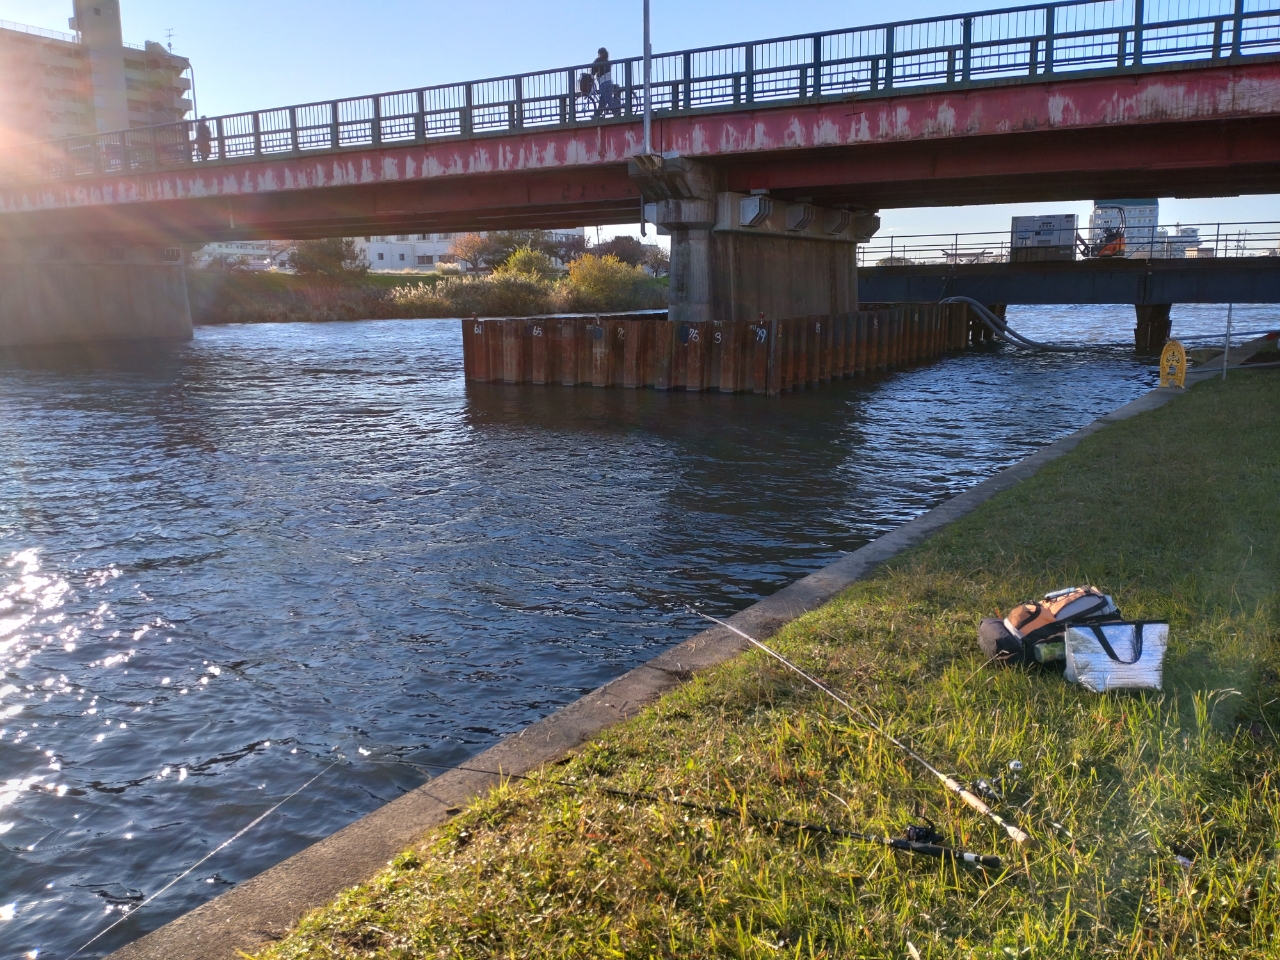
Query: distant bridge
[
  {"x": 1139, "y": 282},
  {"x": 1050, "y": 102}
]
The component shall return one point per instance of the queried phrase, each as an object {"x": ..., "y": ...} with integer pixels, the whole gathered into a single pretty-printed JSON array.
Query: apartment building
[{"x": 56, "y": 84}]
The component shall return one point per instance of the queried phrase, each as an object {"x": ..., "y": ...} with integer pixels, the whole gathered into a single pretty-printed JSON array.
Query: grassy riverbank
[{"x": 1176, "y": 512}]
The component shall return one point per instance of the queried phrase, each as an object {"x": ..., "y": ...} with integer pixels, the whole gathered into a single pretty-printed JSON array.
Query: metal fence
[
  {"x": 1169, "y": 242},
  {"x": 1027, "y": 44}
]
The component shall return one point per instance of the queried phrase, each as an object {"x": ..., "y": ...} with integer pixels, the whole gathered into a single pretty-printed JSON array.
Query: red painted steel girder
[{"x": 1205, "y": 131}]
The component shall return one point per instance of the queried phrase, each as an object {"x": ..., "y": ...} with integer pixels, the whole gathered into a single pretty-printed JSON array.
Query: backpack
[
  {"x": 586, "y": 85},
  {"x": 1024, "y": 635}
]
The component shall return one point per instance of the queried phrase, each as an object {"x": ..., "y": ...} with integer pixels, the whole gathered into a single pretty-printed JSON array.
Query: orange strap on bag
[{"x": 1031, "y": 622}]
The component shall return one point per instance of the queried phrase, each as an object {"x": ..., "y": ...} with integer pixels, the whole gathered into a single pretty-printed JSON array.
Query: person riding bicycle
[{"x": 601, "y": 71}]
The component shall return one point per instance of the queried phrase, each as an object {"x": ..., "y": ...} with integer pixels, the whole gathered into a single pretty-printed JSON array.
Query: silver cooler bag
[{"x": 1116, "y": 656}]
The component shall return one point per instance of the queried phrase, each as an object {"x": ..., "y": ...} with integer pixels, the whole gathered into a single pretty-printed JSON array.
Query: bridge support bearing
[
  {"x": 1154, "y": 326},
  {"x": 736, "y": 257},
  {"x": 91, "y": 290}
]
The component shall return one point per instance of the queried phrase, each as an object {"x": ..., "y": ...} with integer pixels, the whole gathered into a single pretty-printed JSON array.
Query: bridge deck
[
  {"x": 1048, "y": 102},
  {"x": 1141, "y": 282}
]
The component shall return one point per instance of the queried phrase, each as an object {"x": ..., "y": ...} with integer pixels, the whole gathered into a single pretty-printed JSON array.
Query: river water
[{"x": 227, "y": 564}]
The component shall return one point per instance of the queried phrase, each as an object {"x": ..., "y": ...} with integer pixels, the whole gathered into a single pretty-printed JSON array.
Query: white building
[
  {"x": 420, "y": 252},
  {"x": 255, "y": 255}
]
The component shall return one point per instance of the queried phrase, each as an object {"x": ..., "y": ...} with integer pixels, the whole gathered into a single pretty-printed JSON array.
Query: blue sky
[{"x": 260, "y": 54}]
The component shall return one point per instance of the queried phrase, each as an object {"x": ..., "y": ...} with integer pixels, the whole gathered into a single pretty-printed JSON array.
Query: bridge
[
  {"x": 1179, "y": 263},
  {"x": 768, "y": 163}
]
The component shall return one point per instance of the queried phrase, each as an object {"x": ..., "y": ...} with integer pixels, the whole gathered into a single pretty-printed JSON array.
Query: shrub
[
  {"x": 505, "y": 294},
  {"x": 606, "y": 283},
  {"x": 529, "y": 262},
  {"x": 336, "y": 258}
]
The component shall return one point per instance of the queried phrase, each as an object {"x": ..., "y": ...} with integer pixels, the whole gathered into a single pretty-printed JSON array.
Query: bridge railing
[
  {"x": 1021, "y": 44},
  {"x": 1164, "y": 242}
]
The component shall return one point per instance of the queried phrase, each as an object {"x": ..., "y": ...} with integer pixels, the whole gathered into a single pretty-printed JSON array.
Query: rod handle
[
  {"x": 947, "y": 853},
  {"x": 1015, "y": 834}
]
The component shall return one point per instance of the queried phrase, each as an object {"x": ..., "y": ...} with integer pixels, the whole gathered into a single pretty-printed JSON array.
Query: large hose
[{"x": 1001, "y": 329}]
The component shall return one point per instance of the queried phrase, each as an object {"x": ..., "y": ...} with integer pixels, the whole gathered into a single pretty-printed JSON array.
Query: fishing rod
[
  {"x": 1017, "y": 835},
  {"x": 196, "y": 866},
  {"x": 919, "y": 840}
]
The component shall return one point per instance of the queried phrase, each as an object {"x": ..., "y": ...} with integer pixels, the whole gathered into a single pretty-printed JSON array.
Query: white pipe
[
  {"x": 648, "y": 84},
  {"x": 1001, "y": 329}
]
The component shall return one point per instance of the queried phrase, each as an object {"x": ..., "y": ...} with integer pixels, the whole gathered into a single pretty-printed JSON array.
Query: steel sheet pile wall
[{"x": 768, "y": 356}]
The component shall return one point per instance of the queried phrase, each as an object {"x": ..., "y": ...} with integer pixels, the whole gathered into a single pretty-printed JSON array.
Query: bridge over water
[{"x": 769, "y": 160}]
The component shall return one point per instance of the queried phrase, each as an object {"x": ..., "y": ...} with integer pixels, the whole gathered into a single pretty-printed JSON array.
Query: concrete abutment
[{"x": 63, "y": 292}]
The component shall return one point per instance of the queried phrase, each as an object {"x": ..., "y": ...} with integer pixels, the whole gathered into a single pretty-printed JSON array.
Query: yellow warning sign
[{"x": 1173, "y": 365}]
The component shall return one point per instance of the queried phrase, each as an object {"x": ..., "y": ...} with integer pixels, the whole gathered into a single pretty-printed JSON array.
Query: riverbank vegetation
[
  {"x": 1157, "y": 814},
  {"x": 332, "y": 283}
]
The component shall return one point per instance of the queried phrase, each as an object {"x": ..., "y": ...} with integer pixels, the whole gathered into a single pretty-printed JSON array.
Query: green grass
[{"x": 1177, "y": 513}]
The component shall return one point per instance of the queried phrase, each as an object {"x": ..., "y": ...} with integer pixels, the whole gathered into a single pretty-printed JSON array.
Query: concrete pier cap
[{"x": 738, "y": 256}]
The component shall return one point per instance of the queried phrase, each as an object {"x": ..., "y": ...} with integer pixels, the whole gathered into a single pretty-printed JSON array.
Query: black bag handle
[{"x": 1101, "y": 637}]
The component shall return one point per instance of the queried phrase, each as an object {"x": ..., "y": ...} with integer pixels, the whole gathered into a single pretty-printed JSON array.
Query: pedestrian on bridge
[
  {"x": 602, "y": 70},
  {"x": 204, "y": 140}
]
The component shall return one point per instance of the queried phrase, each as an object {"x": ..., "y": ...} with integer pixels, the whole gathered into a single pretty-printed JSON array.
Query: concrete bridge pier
[
  {"x": 1154, "y": 325},
  {"x": 86, "y": 290},
  {"x": 736, "y": 257}
]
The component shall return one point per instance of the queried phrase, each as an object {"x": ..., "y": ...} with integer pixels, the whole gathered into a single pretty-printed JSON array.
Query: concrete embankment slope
[{"x": 267, "y": 907}]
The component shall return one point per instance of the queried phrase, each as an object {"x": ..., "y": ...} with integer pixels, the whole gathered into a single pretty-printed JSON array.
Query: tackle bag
[
  {"x": 1117, "y": 656},
  {"x": 1022, "y": 636}
]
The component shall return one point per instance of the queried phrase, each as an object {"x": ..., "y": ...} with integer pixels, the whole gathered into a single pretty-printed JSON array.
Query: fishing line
[
  {"x": 919, "y": 840},
  {"x": 1015, "y": 834},
  {"x": 186, "y": 873}
]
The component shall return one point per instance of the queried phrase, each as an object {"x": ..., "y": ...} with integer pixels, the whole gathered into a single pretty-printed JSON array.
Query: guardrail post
[
  {"x": 375, "y": 126},
  {"x": 570, "y": 113},
  {"x": 688, "y": 81},
  {"x": 951, "y": 65},
  {"x": 335, "y": 128},
  {"x": 465, "y": 119},
  {"x": 1237, "y": 28},
  {"x": 966, "y": 70},
  {"x": 1034, "y": 58},
  {"x": 1137, "y": 32},
  {"x": 1050, "y": 18},
  {"x": 751, "y": 73},
  {"x": 222, "y": 139},
  {"x": 293, "y": 128},
  {"x": 1217, "y": 40},
  {"x": 888, "y": 58},
  {"x": 257, "y": 134},
  {"x": 817, "y": 66},
  {"x": 517, "y": 108},
  {"x": 630, "y": 87},
  {"x": 420, "y": 118},
  {"x": 1122, "y": 46}
]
